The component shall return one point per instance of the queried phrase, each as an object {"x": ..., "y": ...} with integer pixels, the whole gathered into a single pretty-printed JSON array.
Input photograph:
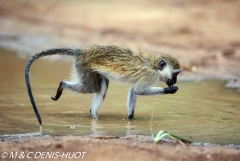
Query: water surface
[{"x": 200, "y": 111}]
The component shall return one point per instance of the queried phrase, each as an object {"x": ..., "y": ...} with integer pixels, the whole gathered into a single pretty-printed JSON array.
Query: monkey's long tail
[{"x": 58, "y": 51}]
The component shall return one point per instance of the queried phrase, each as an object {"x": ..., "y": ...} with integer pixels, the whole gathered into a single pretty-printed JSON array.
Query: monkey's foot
[
  {"x": 170, "y": 90},
  {"x": 59, "y": 92},
  {"x": 54, "y": 98},
  {"x": 130, "y": 117},
  {"x": 94, "y": 116},
  {"x": 58, "y": 95}
]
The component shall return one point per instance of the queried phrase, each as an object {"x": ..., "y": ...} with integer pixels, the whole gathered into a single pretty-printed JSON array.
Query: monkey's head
[{"x": 169, "y": 68}]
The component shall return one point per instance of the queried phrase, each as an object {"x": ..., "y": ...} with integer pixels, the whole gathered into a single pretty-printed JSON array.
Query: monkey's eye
[{"x": 161, "y": 64}]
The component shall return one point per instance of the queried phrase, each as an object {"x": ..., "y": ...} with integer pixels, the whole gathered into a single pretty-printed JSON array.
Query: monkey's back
[{"x": 117, "y": 63}]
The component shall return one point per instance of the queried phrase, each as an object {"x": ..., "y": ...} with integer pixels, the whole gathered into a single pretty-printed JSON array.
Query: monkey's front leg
[
  {"x": 132, "y": 96},
  {"x": 156, "y": 91}
]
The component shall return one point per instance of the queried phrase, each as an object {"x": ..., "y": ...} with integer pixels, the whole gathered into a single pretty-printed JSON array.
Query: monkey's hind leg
[
  {"x": 76, "y": 87},
  {"x": 83, "y": 81},
  {"x": 131, "y": 103},
  {"x": 99, "y": 96}
]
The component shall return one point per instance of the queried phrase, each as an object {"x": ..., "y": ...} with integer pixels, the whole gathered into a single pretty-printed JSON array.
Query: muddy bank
[{"x": 134, "y": 147}]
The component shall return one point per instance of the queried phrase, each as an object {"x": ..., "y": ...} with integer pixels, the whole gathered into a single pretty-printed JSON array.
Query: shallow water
[{"x": 200, "y": 111}]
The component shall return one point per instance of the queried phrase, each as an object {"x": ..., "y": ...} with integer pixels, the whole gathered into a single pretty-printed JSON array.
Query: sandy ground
[
  {"x": 136, "y": 147},
  {"x": 204, "y": 35}
]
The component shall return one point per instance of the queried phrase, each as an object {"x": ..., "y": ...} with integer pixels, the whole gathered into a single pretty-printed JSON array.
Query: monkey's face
[{"x": 167, "y": 73}]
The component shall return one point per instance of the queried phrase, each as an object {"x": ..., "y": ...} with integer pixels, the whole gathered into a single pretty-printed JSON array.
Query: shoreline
[{"x": 106, "y": 148}]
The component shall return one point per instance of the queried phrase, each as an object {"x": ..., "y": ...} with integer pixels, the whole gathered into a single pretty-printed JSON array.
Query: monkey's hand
[{"x": 170, "y": 90}]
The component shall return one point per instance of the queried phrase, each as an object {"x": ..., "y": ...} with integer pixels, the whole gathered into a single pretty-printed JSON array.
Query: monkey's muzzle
[{"x": 171, "y": 82}]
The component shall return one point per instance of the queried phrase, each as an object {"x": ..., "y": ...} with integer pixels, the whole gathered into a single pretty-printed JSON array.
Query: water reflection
[{"x": 97, "y": 129}]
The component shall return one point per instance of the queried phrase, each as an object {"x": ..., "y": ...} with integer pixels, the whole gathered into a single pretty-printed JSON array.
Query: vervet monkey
[{"x": 95, "y": 65}]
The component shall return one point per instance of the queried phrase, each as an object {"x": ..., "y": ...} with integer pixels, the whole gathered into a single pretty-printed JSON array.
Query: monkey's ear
[{"x": 161, "y": 64}]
